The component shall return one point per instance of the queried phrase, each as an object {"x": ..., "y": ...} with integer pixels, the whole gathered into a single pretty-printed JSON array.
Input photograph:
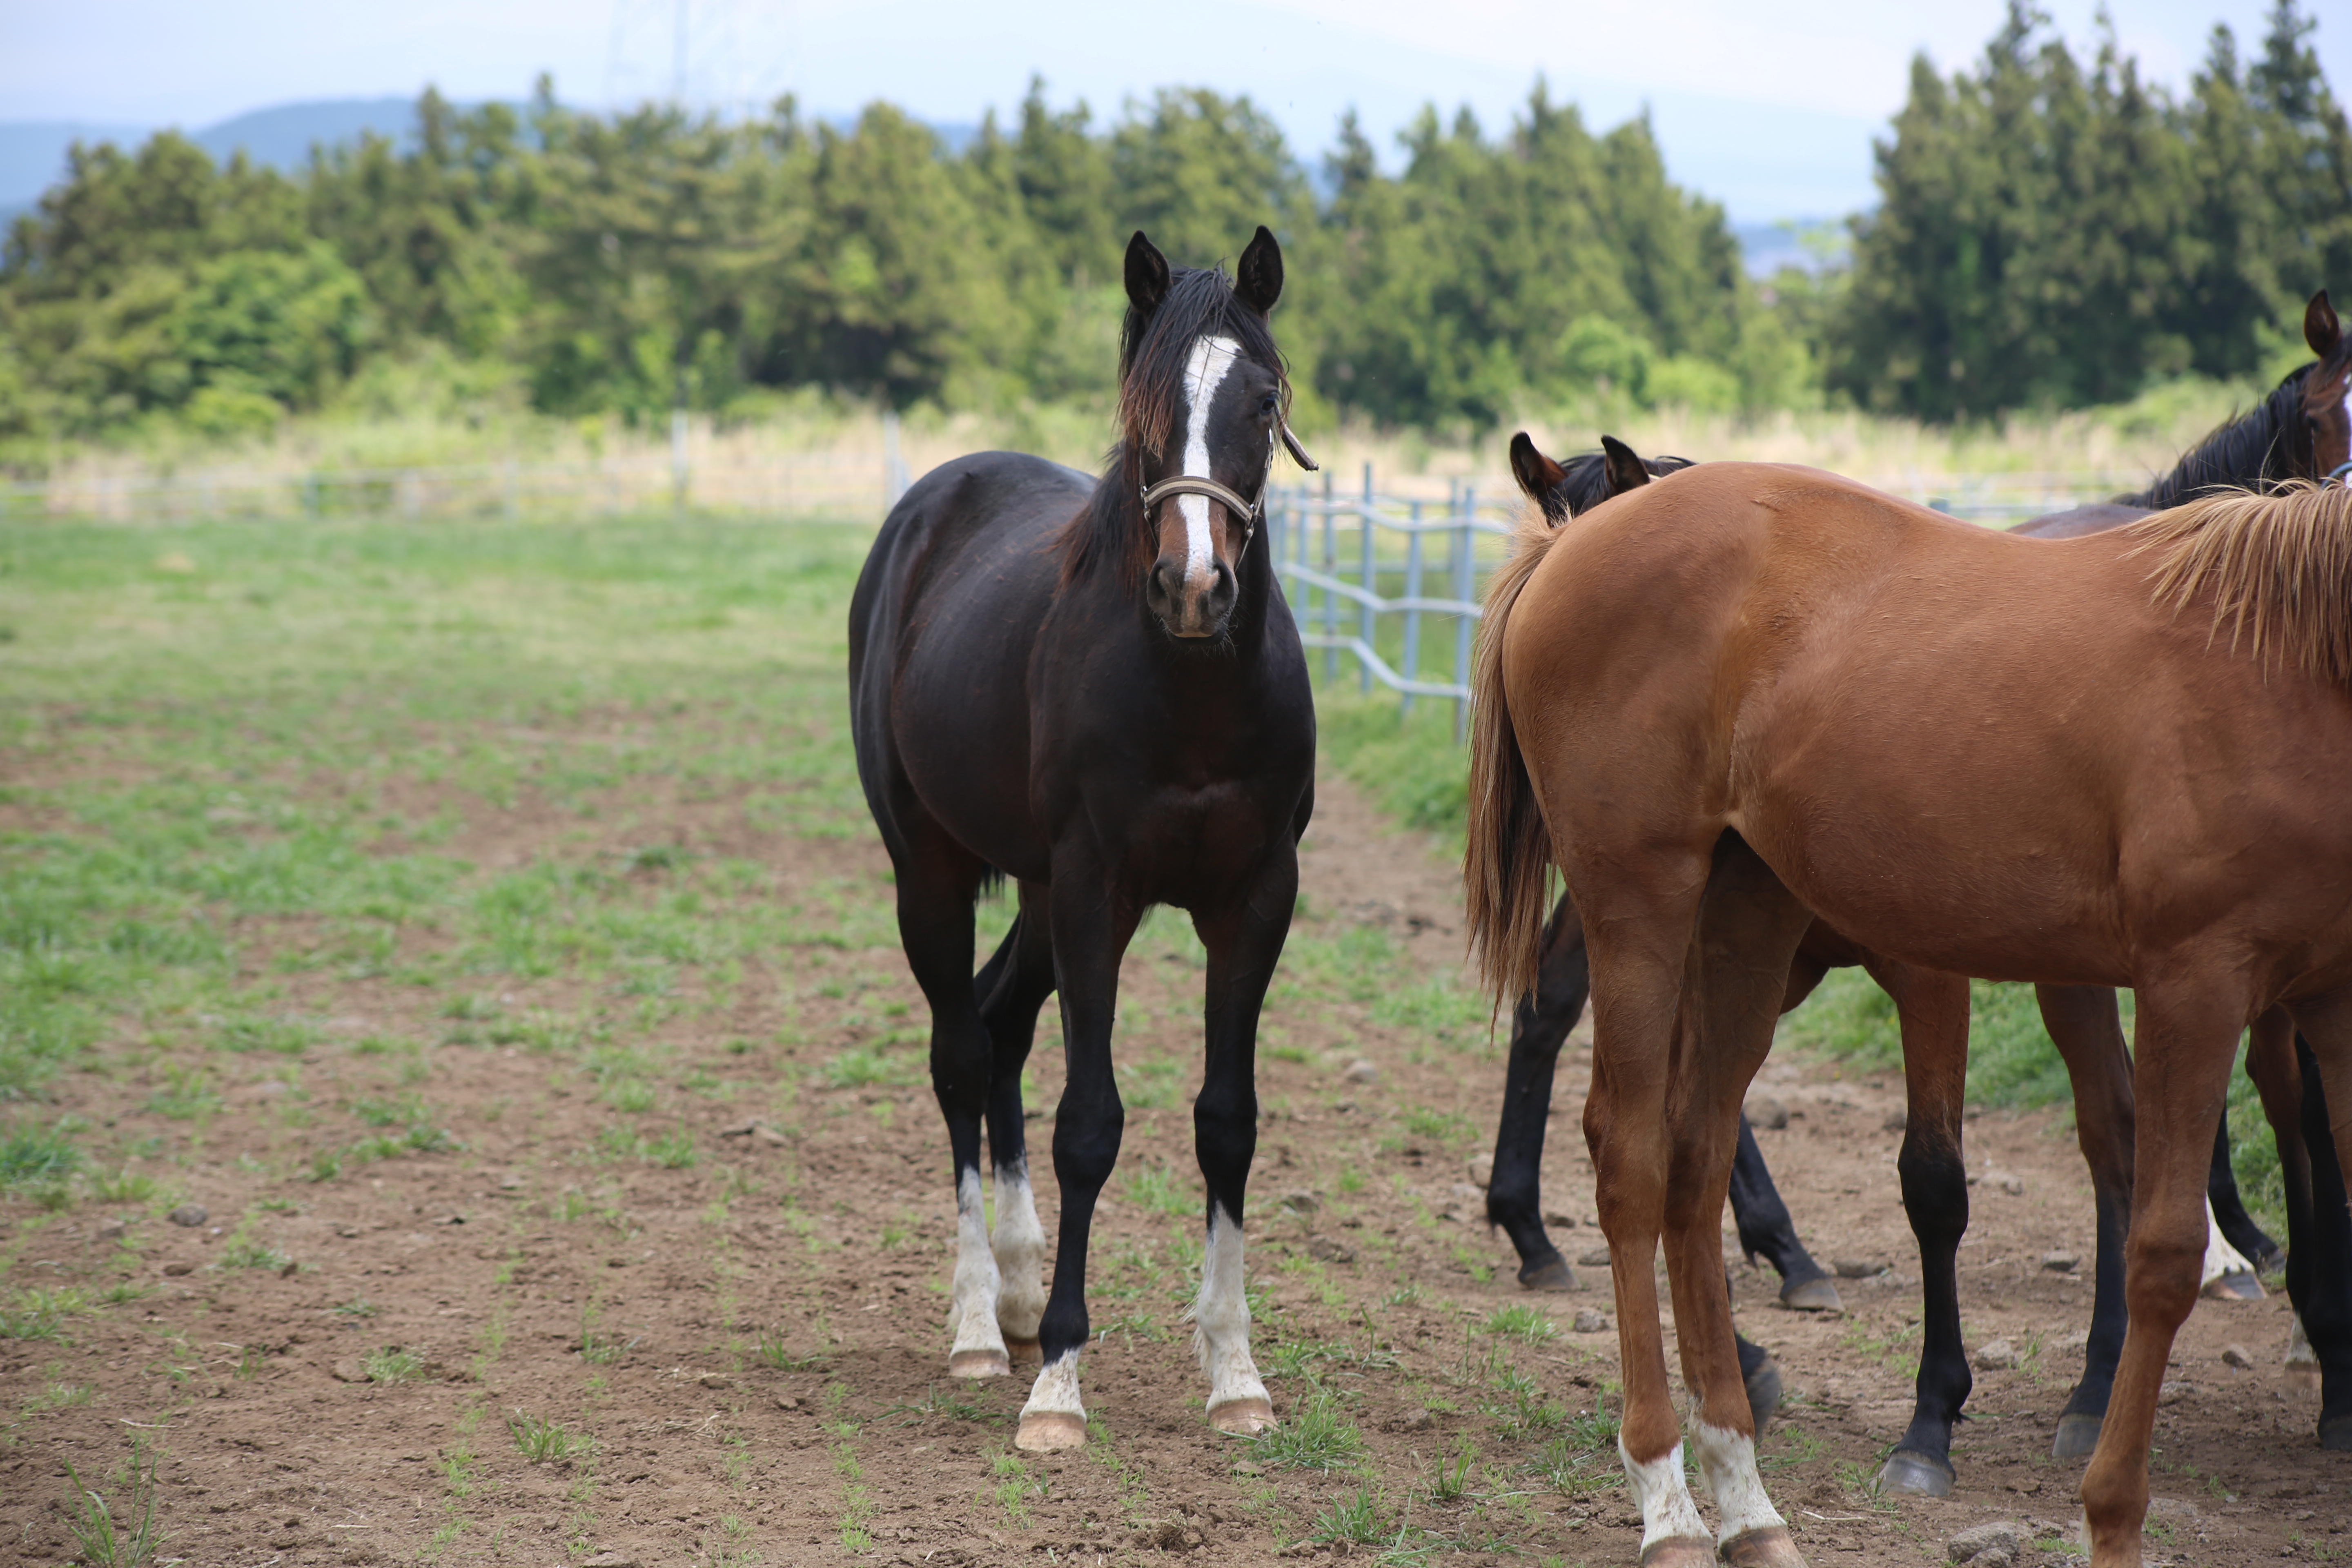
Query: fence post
[
  {"x": 1411, "y": 615},
  {"x": 1365, "y": 623},
  {"x": 1466, "y": 574},
  {"x": 1330, "y": 600}
]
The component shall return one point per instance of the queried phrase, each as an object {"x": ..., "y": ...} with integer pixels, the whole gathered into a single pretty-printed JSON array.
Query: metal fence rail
[{"x": 1386, "y": 539}]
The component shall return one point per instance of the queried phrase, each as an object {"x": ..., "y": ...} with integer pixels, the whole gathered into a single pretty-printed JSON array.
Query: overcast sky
[{"x": 1770, "y": 110}]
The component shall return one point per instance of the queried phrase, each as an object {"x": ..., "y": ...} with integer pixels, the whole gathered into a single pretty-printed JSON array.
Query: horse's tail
[
  {"x": 2277, "y": 567},
  {"x": 1508, "y": 847}
]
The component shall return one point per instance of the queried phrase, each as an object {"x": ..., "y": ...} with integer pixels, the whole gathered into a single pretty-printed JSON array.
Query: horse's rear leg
[
  {"x": 2188, "y": 1033},
  {"x": 937, "y": 880},
  {"x": 1637, "y": 952},
  {"x": 2089, "y": 1033},
  {"x": 1539, "y": 1027},
  {"x": 1010, "y": 989},
  {"x": 1933, "y": 1009},
  {"x": 1748, "y": 931},
  {"x": 1242, "y": 945},
  {"x": 2255, "y": 1243},
  {"x": 1766, "y": 1231}
]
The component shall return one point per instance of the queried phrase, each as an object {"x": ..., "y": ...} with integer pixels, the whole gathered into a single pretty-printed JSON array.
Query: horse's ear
[
  {"x": 2320, "y": 328},
  {"x": 1537, "y": 474},
  {"x": 1626, "y": 471},
  {"x": 1259, "y": 282},
  {"x": 1146, "y": 273}
]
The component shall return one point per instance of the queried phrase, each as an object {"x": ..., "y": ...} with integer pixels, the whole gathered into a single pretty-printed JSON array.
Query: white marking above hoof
[
  {"x": 1050, "y": 1432},
  {"x": 1243, "y": 1417}
]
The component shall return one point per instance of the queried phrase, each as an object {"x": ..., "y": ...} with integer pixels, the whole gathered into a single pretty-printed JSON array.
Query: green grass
[
  {"x": 1315, "y": 1436},
  {"x": 390, "y": 1364},
  {"x": 194, "y": 711},
  {"x": 545, "y": 1442},
  {"x": 122, "y": 1532},
  {"x": 33, "y": 1154}
]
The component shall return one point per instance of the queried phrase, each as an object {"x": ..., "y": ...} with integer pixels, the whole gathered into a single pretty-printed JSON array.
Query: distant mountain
[
  {"x": 1807, "y": 243},
  {"x": 282, "y": 137},
  {"x": 33, "y": 152}
]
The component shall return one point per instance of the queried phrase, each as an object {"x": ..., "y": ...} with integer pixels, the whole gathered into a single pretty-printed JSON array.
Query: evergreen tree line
[{"x": 2047, "y": 233}]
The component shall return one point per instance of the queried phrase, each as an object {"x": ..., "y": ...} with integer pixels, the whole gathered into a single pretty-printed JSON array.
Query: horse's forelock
[{"x": 1154, "y": 350}]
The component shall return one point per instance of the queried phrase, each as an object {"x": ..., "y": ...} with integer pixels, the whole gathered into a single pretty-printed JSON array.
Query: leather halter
[
  {"x": 1233, "y": 502},
  {"x": 2340, "y": 471}
]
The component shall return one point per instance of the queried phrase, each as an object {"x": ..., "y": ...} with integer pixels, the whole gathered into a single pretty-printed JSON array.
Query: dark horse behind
[{"x": 1094, "y": 688}]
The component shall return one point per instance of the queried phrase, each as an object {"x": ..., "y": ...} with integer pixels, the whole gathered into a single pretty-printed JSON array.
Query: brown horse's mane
[
  {"x": 2277, "y": 566},
  {"x": 1151, "y": 352}
]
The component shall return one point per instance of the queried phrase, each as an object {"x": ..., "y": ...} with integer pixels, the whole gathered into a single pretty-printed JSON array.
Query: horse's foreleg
[
  {"x": 2271, "y": 1062},
  {"x": 1011, "y": 990},
  {"x": 1539, "y": 1027},
  {"x": 2255, "y": 1243},
  {"x": 935, "y": 924},
  {"x": 2187, "y": 1038},
  {"x": 2089, "y": 1033},
  {"x": 1242, "y": 945},
  {"x": 1091, "y": 925},
  {"x": 2326, "y": 1307},
  {"x": 1933, "y": 1009},
  {"x": 1747, "y": 933}
]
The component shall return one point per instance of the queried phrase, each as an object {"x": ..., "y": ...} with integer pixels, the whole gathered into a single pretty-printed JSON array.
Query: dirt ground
[{"x": 750, "y": 1332}]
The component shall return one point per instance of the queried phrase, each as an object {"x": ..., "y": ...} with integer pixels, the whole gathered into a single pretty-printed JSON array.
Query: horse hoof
[
  {"x": 1020, "y": 1350},
  {"x": 2077, "y": 1434},
  {"x": 1050, "y": 1432},
  {"x": 1243, "y": 1417},
  {"x": 1679, "y": 1551},
  {"x": 1818, "y": 1294},
  {"x": 1551, "y": 1274},
  {"x": 1763, "y": 1393},
  {"x": 979, "y": 1364},
  {"x": 1770, "y": 1547},
  {"x": 2336, "y": 1435},
  {"x": 1916, "y": 1475},
  {"x": 2238, "y": 1284}
]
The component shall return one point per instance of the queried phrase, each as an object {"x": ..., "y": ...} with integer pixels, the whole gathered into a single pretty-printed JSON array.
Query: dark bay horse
[
  {"x": 1093, "y": 688},
  {"x": 1750, "y": 693}
]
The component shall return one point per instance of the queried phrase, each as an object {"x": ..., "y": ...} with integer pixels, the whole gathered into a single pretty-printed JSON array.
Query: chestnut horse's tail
[
  {"x": 1508, "y": 848},
  {"x": 2277, "y": 566}
]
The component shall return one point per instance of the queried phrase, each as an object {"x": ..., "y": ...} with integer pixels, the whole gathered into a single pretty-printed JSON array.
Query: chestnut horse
[
  {"x": 1093, "y": 688},
  {"x": 2300, "y": 430},
  {"x": 1751, "y": 692}
]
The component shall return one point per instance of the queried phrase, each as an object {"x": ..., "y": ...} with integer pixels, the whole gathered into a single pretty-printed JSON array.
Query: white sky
[{"x": 1768, "y": 108}]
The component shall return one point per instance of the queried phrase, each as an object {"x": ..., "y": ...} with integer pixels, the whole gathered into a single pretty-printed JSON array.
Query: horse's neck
[{"x": 2248, "y": 450}]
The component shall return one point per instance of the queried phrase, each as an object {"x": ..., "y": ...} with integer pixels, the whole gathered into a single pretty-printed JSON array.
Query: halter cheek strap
[
  {"x": 1231, "y": 499},
  {"x": 2340, "y": 471}
]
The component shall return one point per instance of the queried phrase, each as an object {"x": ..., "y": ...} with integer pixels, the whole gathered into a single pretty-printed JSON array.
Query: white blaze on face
[{"x": 1204, "y": 372}]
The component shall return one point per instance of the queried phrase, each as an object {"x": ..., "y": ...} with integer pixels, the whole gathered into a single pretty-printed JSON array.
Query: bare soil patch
[{"x": 731, "y": 1296}]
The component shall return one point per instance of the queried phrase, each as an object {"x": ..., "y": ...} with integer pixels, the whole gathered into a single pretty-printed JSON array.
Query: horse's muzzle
[{"x": 1190, "y": 606}]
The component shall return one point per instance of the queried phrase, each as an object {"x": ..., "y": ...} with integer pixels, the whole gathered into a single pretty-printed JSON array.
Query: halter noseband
[{"x": 1233, "y": 500}]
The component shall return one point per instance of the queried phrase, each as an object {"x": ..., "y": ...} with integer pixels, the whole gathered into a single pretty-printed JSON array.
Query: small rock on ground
[
  {"x": 176, "y": 1269},
  {"x": 1301, "y": 1201},
  {"x": 189, "y": 1214},
  {"x": 347, "y": 1370},
  {"x": 1766, "y": 1112},
  {"x": 1588, "y": 1321},
  {"x": 1595, "y": 1257},
  {"x": 1859, "y": 1268},
  {"x": 1896, "y": 1121},
  {"x": 1999, "y": 1535},
  {"x": 2061, "y": 1262},
  {"x": 1482, "y": 1170},
  {"x": 1362, "y": 1071},
  {"x": 1995, "y": 1355},
  {"x": 2237, "y": 1355}
]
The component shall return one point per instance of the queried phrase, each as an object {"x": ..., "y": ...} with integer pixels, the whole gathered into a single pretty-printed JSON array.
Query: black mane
[
  {"x": 1152, "y": 348},
  {"x": 1584, "y": 479},
  {"x": 2252, "y": 449}
]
